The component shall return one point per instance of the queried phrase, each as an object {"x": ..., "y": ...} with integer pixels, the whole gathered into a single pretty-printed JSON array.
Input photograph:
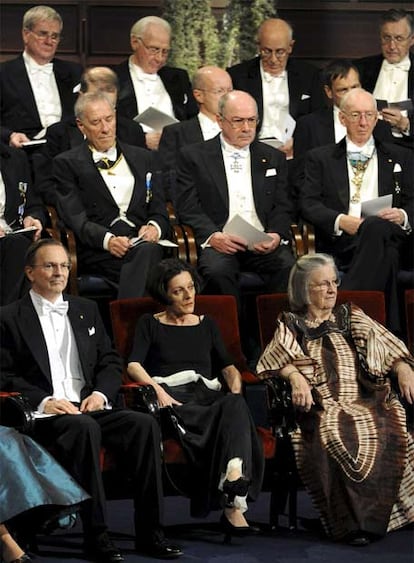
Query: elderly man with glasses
[
  {"x": 281, "y": 86},
  {"x": 235, "y": 175},
  {"x": 145, "y": 81},
  {"x": 36, "y": 89},
  {"x": 340, "y": 197},
  {"x": 390, "y": 75}
]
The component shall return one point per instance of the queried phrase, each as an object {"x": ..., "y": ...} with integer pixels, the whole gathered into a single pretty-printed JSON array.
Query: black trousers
[
  {"x": 371, "y": 260},
  {"x": 132, "y": 437}
]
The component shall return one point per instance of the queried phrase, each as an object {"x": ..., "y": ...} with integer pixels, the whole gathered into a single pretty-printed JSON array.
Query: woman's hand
[
  {"x": 164, "y": 399},
  {"x": 301, "y": 391},
  {"x": 405, "y": 376}
]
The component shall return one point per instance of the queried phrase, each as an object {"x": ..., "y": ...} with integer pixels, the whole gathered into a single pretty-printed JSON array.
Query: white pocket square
[
  {"x": 304, "y": 97},
  {"x": 91, "y": 331},
  {"x": 271, "y": 172}
]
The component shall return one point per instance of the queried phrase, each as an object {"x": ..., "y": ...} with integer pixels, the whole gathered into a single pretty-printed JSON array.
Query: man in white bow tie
[
  {"x": 55, "y": 351},
  {"x": 108, "y": 193},
  {"x": 233, "y": 174},
  {"x": 341, "y": 181},
  {"x": 281, "y": 86},
  {"x": 36, "y": 89},
  {"x": 145, "y": 80},
  {"x": 390, "y": 76}
]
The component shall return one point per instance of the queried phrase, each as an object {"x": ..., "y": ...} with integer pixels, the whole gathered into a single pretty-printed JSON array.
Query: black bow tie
[{"x": 105, "y": 163}]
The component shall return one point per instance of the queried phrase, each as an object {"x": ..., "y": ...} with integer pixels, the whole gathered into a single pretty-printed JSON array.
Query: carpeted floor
[{"x": 202, "y": 540}]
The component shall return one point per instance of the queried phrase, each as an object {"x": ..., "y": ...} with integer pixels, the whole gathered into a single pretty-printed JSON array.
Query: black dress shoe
[
  {"x": 156, "y": 545},
  {"x": 102, "y": 550},
  {"x": 358, "y": 539}
]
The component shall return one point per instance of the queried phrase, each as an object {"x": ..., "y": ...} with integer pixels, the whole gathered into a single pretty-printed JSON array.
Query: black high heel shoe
[{"x": 230, "y": 530}]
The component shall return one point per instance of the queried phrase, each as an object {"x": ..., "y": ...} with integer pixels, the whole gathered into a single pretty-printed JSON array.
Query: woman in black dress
[{"x": 183, "y": 357}]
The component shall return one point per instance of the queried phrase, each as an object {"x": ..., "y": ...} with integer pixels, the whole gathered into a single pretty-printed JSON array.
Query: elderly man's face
[
  {"x": 359, "y": 117},
  {"x": 215, "y": 84},
  {"x": 98, "y": 124},
  {"x": 42, "y": 40},
  {"x": 239, "y": 121},
  {"x": 152, "y": 49},
  {"x": 275, "y": 46},
  {"x": 396, "y": 40}
]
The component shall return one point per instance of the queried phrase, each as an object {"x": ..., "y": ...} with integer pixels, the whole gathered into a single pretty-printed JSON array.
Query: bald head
[
  {"x": 238, "y": 118},
  {"x": 209, "y": 84},
  {"x": 359, "y": 115},
  {"x": 275, "y": 43}
]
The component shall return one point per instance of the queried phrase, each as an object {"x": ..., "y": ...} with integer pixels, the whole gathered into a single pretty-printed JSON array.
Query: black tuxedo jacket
[
  {"x": 176, "y": 81},
  {"x": 85, "y": 203},
  {"x": 317, "y": 129},
  {"x": 24, "y": 359},
  {"x": 18, "y": 107},
  {"x": 66, "y": 135},
  {"x": 369, "y": 69},
  {"x": 202, "y": 192},
  {"x": 15, "y": 169},
  {"x": 176, "y": 136},
  {"x": 325, "y": 191},
  {"x": 305, "y": 89}
]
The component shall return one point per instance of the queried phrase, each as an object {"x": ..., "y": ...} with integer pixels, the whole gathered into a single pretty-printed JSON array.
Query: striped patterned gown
[{"x": 353, "y": 451}]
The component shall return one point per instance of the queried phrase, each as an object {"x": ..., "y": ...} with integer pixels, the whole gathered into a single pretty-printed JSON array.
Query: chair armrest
[
  {"x": 308, "y": 233},
  {"x": 16, "y": 412}
]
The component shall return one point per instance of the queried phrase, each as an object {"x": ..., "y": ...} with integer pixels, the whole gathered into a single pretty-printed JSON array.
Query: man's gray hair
[
  {"x": 345, "y": 101},
  {"x": 139, "y": 28},
  {"x": 298, "y": 285},
  {"x": 40, "y": 13},
  {"x": 89, "y": 98}
]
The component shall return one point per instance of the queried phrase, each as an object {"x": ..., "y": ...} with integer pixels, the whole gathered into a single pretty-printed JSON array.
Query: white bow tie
[
  {"x": 402, "y": 65},
  {"x": 269, "y": 77},
  {"x": 145, "y": 76},
  {"x": 60, "y": 308},
  {"x": 110, "y": 154},
  {"x": 45, "y": 69}
]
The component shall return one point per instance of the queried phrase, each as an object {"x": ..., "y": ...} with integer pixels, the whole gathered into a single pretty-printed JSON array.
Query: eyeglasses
[
  {"x": 238, "y": 122},
  {"x": 53, "y": 266},
  {"x": 155, "y": 50},
  {"x": 47, "y": 35},
  {"x": 356, "y": 115},
  {"x": 216, "y": 91},
  {"x": 395, "y": 38},
  {"x": 325, "y": 285},
  {"x": 267, "y": 53}
]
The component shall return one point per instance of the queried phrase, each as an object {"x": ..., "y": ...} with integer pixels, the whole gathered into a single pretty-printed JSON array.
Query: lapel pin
[{"x": 81, "y": 316}]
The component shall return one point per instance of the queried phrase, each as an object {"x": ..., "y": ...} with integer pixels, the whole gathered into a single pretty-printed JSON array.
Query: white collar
[{"x": 229, "y": 149}]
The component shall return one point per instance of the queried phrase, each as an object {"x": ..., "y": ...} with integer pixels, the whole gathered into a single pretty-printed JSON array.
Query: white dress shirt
[
  {"x": 275, "y": 105},
  {"x": 45, "y": 91},
  {"x": 149, "y": 92},
  {"x": 209, "y": 127}
]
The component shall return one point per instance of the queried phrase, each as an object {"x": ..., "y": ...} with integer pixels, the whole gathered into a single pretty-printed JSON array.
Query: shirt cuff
[
  {"x": 155, "y": 224},
  {"x": 106, "y": 240},
  {"x": 41, "y": 406},
  {"x": 337, "y": 231},
  {"x": 105, "y": 398}
]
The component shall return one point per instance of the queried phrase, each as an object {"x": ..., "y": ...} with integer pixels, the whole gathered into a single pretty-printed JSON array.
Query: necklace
[
  {"x": 316, "y": 321},
  {"x": 358, "y": 168}
]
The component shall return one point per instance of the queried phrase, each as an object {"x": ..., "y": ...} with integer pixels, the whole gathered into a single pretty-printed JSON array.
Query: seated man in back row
[
  {"x": 232, "y": 174},
  {"x": 109, "y": 194},
  {"x": 339, "y": 179}
]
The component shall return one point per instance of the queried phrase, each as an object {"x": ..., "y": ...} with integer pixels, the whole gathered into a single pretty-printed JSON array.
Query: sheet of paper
[
  {"x": 154, "y": 118},
  {"x": 162, "y": 242},
  {"x": 23, "y": 230},
  {"x": 272, "y": 141},
  {"x": 238, "y": 226},
  {"x": 372, "y": 206},
  {"x": 34, "y": 143}
]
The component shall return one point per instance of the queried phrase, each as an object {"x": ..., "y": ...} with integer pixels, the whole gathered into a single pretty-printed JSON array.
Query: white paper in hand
[{"x": 238, "y": 226}]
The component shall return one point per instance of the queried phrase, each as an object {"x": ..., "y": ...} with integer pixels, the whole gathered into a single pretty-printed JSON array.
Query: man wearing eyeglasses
[
  {"x": 390, "y": 75},
  {"x": 36, "y": 89},
  {"x": 145, "y": 80},
  {"x": 229, "y": 175},
  {"x": 210, "y": 83},
  {"x": 55, "y": 351},
  {"x": 281, "y": 86},
  {"x": 341, "y": 181}
]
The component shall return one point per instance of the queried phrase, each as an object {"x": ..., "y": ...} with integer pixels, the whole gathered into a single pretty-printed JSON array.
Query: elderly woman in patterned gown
[{"x": 353, "y": 451}]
